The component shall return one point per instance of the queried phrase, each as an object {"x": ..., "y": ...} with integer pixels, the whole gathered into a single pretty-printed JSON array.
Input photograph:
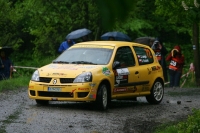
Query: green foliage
[
  {"x": 31, "y": 62},
  {"x": 191, "y": 125},
  {"x": 114, "y": 10}
]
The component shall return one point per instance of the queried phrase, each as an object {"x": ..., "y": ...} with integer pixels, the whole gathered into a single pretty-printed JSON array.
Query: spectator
[
  {"x": 111, "y": 38},
  {"x": 85, "y": 38},
  {"x": 176, "y": 60},
  {"x": 65, "y": 45},
  {"x": 161, "y": 52},
  {"x": 5, "y": 66}
]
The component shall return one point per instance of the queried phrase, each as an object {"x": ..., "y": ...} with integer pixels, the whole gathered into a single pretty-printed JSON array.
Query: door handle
[{"x": 136, "y": 72}]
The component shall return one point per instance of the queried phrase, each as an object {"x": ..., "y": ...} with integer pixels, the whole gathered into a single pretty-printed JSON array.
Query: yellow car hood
[{"x": 65, "y": 70}]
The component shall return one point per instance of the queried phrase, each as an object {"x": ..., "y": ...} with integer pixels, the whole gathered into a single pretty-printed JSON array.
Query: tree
[{"x": 189, "y": 19}]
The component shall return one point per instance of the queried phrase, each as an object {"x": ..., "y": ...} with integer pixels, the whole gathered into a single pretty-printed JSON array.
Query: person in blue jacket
[
  {"x": 6, "y": 66},
  {"x": 65, "y": 45}
]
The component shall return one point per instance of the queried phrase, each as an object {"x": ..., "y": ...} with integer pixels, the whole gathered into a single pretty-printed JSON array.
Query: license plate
[{"x": 54, "y": 89}]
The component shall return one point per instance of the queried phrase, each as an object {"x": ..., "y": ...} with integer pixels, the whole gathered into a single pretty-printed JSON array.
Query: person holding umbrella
[
  {"x": 111, "y": 38},
  {"x": 160, "y": 52},
  {"x": 80, "y": 33},
  {"x": 6, "y": 66},
  {"x": 118, "y": 36},
  {"x": 65, "y": 45}
]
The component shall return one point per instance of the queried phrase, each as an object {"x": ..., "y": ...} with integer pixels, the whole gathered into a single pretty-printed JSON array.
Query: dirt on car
[{"x": 20, "y": 114}]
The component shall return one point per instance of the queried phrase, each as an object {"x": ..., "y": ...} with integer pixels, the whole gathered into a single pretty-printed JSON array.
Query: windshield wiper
[
  {"x": 62, "y": 62},
  {"x": 83, "y": 62}
]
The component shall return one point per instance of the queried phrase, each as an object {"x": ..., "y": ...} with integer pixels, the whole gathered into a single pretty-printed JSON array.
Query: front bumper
[{"x": 68, "y": 92}]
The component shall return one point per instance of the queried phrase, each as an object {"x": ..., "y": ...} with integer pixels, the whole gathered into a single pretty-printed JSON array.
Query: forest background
[{"x": 36, "y": 28}]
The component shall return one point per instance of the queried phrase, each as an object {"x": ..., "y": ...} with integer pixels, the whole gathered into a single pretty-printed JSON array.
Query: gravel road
[{"x": 19, "y": 114}]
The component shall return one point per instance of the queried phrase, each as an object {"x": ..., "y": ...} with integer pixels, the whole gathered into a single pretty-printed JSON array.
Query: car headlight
[
  {"x": 35, "y": 76},
  {"x": 84, "y": 77}
]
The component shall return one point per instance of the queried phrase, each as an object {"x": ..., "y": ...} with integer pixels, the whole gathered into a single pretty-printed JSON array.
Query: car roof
[{"x": 111, "y": 43}]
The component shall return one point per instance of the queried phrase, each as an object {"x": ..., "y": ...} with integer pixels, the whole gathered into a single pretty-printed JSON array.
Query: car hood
[{"x": 66, "y": 70}]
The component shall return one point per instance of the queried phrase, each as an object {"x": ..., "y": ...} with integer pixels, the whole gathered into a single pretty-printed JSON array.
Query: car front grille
[
  {"x": 62, "y": 80},
  {"x": 66, "y": 80},
  {"x": 45, "y": 80}
]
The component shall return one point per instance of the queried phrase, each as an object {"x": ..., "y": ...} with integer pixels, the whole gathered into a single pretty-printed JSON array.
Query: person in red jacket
[{"x": 176, "y": 60}]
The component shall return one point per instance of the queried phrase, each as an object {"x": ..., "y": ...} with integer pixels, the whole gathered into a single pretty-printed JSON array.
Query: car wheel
[
  {"x": 102, "y": 97},
  {"x": 42, "y": 102},
  {"x": 157, "y": 93}
]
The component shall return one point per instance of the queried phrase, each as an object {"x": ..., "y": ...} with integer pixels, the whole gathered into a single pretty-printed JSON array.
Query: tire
[
  {"x": 102, "y": 97},
  {"x": 42, "y": 102},
  {"x": 157, "y": 93}
]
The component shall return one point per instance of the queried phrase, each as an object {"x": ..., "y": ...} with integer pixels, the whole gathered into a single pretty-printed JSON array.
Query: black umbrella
[
  {"x": 78, "y": 33},
  {"x": 119, "y": 36},
  {"x": 8, "y": 50},
  {"x": 145, "y": 40}
]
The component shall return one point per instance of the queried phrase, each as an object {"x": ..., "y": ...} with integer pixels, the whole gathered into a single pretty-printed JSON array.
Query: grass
[
  {"x": 14, "y": 83},
  {"x": 191, "y": 125}
]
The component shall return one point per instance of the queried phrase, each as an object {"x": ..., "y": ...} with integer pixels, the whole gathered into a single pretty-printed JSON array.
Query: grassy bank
[
  {"x": 14, "y": 83},
  {"x": 191, "y": 125}
]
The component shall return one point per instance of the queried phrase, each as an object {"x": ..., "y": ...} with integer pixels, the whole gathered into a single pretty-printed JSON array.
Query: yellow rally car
[{"x": 100, "y": 71}]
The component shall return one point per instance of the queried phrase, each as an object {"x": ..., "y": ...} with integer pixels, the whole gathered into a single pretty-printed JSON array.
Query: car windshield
[{"x": 95, "y": 56}]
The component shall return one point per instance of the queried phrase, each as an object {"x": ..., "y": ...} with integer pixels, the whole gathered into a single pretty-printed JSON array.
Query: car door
[
  {"x": 144, "y": 64},
  {"x": 126, "y": 80}
]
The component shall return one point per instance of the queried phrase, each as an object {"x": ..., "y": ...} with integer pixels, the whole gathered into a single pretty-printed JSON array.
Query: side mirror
[{"x": 116, "y": 64}]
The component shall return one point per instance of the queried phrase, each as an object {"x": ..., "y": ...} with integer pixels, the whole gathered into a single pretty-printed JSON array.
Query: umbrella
[
  {"x": 117, "y": 35},
  {"x": 78, "y": 33},
  {"x": 8, "y": 50},
  {"x": 145, "y": 40}
]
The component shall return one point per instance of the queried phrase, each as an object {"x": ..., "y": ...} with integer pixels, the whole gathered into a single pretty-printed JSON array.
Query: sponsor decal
[
  {"x": 154, "y": 68},
  {"x": 60, "y": 74},
  {"x": 132, "y": 89},
  {"x": 140, "y": 60},
  {"x": 158, "y": 67},
  {"x": 83, "y": 89},
  {"x": 56, "y": 66},
  {"x": 92, "y": 84},
  {"x": 123, "y": 71},
  {"x": 149, "y": 71},
  {"x": 72, "y": 92},
  {"x": 119, "y": 90},
  {"x": 92, "y": 96},
  {"x": 121, "y": 79},
  {"x": 145, "y": 88},
  {"x": 87, "y": 67},
  {"x": 145, "y": 60},
  {"x": 127, "y": 89},
  {"x": 106, "y": 71},
  {"x": 31, "y": 87},
  {"x": 142, "y": 56}
]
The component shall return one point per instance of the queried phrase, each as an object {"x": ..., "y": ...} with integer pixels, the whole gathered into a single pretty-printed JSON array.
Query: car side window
[
  {"x": 125, "y": 56},
  {"x": 144, "y": 55}
]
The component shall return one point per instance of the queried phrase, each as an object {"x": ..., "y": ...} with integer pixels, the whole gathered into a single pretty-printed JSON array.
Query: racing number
[
  {"x": 148, "y": 53},
  {"x": 173, "y": 63}
]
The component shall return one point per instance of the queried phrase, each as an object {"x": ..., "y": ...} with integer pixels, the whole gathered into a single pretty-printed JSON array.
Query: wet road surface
[{"x": 19, "y": 114}]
